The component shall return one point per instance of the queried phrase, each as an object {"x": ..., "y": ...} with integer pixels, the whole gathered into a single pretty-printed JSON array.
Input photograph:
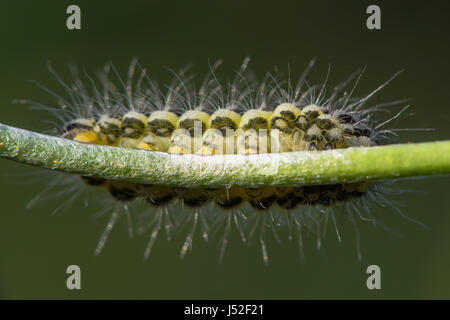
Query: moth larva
[{"x": 243, "y": 117}]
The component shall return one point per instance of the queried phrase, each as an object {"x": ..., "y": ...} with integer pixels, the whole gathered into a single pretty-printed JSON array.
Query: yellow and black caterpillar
[
  {"x": 309, "y": 128},
  {"x": 243, "y": 116}
]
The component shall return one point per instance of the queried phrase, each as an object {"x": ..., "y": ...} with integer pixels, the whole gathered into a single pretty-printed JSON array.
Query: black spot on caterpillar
[{"x": 245, "y": 117}]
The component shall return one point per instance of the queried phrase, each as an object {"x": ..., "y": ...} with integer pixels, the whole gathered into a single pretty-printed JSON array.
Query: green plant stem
[{"x": 276, "y": 169}]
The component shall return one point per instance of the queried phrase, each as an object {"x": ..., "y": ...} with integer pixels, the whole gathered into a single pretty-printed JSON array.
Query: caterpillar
[{"x": 242, "y": 116}]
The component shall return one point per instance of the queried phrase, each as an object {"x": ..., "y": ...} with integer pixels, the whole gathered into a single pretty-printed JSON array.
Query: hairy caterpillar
[{"x": 243, "y": 116}]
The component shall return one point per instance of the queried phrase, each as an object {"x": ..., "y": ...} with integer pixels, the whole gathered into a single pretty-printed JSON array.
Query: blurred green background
[{"x": 36, "y": 247}]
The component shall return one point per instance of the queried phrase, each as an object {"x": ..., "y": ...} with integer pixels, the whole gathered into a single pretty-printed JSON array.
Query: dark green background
[{"x": 36, "y": 247}]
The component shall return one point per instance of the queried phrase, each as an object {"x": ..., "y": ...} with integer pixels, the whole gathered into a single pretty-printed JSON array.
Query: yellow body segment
[
  {"x": 162, "y": 123},
  {"x": 108, "y": 130},
  {"x": 282, "y": 127},
  {"x": 194, "y": 119},
  {"x": 159, "y": 129},
  {"x": 132, "y": 129},
  {"x": 187, "y": 139},
  {"x": 254, "y": 134},
  {"x": 223, "y": 119},
  {"x": 220, "y": 138}
]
